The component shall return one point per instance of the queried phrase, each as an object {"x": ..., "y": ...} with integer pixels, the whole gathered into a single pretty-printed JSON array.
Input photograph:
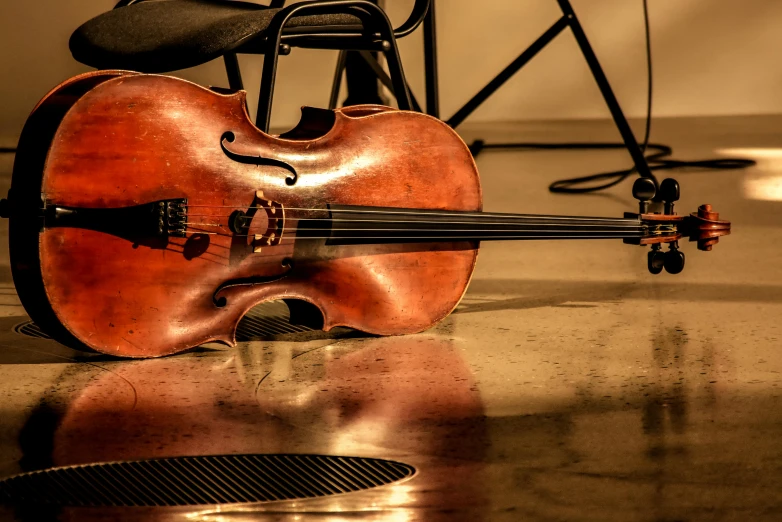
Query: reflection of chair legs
[{"x": 570, "y": 20}]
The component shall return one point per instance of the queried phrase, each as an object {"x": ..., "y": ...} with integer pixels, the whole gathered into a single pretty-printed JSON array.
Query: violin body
[{"x": 121, "y": 144}]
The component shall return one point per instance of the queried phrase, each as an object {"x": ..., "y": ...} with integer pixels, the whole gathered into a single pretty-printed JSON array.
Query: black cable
[
  {"x": 648, "y": 126},
  {"x": 655, "y": 160},
  {"x": 7, "y": 150},
  {"x": 648, "y": 79}
]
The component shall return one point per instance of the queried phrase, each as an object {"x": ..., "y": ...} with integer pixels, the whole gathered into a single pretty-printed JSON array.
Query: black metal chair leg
[
  {"x": 401, "y": 92},
  {"x": 430, "y": 63},
  {"x": 337, "y": 83},
  {"x": 423, "y": 12},
  {"x": 266, "y": 93},
  {"x": 394, "y": 62},
  {"x": 273, "y": 50},
  {"x": 233, "y": 72}
]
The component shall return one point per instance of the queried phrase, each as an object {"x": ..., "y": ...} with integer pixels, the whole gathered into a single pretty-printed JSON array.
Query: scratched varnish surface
[{"x": 570, "y": 384}]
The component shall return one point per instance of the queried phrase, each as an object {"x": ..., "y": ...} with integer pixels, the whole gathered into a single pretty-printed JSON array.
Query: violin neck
[{"x": 368, "y": 225}]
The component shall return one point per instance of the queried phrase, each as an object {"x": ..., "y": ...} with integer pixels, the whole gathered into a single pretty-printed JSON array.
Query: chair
[{"x": 157, "y": 36}]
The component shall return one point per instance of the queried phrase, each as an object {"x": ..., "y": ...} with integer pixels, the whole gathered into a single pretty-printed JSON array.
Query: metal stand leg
[
  {"x": 568, "y": 19},
  {"x": 605, "y": 88},
  {"x": 505, "y": 74}
]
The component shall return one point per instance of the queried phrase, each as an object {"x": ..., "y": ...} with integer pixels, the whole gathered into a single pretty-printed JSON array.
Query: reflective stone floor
[{"x": 570, "y": 384}]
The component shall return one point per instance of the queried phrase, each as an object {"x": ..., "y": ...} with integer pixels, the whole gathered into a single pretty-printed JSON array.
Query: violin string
[
  {"x": 419, "y": 212},
  {"x": 401, "y": 229},
  {"x": 622, "y": 221},
  {"x": 474, "y": 231},
  {"x": 526, "y": 228},
  {"x": 515, "y": 227},
  {"x": 462, "y": 233},
  {"x": 523, "y": 225},
  {"x": 463, "y": 238},
  {"x": 629, "y": 223},
  {"x": 525, "y": 234}
]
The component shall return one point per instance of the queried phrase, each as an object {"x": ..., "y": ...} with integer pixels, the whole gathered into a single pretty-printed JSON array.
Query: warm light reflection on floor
[
  {"x": 764, "y": 181},
  {"x": 412, "y": 399}
]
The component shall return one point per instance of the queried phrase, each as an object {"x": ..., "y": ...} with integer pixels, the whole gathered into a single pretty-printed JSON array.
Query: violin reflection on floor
[{"x": 407, "y": 398}]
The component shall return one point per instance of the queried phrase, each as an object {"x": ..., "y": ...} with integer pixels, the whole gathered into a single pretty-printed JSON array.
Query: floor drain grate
[
  {"x": 268, "y": 320},
  {"x": 216, "y": 479},
  {"x": 30, "y": 329}
]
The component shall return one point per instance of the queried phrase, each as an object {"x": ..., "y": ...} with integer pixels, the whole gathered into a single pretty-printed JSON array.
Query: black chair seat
[{"x": 166, "y": 35}]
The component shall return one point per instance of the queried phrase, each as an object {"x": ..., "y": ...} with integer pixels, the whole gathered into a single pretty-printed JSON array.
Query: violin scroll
[{"x": 706, "y": 228}]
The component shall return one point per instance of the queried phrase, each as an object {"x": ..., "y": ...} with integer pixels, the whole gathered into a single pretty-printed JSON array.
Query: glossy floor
[{"x": 570, "y": 384}]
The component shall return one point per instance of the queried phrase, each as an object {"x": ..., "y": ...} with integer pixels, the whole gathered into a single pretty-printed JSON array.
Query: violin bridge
[{"x": 275, "y": 213}]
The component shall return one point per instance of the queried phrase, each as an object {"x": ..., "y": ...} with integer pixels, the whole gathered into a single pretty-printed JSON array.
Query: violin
[{"x": 148, "y": 214}]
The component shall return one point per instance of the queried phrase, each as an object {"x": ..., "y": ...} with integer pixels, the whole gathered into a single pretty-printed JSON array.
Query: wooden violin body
[{"x": 109, "y": 158}]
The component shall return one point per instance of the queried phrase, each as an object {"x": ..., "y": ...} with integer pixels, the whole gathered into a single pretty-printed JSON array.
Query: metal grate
[
  {"x": 268, "y": 320},
  {"x": 216, "y": 479},
  {"x": 30, "y": 329}
]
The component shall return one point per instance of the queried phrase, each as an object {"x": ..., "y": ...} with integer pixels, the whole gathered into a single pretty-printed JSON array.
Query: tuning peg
[
  {"x": 655, "y": 260},
  {"x": 674, "y": 259},
  {"x": 669, "y": 193},
  {"x": 644, "y": 190}
]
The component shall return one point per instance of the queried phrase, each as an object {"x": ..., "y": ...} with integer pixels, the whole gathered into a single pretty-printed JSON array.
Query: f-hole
[{"x": 229, "y": 137}]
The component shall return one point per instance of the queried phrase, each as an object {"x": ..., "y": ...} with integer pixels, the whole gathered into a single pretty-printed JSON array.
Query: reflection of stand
[{"x": 568, "y": 19}]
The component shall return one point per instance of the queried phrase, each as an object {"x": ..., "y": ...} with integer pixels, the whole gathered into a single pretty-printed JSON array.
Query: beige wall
[{"x": 711, "y": 57}]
